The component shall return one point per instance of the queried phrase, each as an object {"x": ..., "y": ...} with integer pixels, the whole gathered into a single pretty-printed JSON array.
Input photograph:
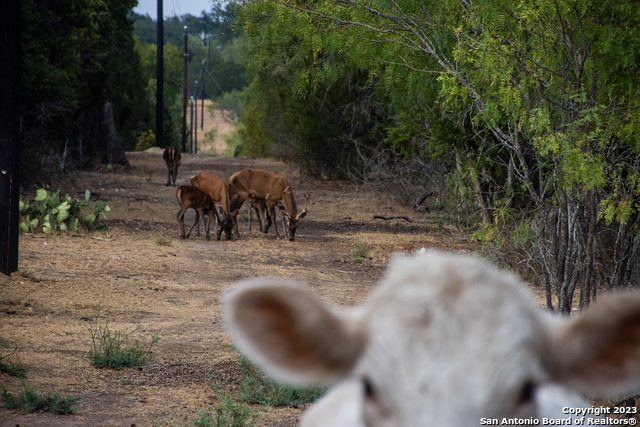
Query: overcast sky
[{"x": 173, "y": 7}]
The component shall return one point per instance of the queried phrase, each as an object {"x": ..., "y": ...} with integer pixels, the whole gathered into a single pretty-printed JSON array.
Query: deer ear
[
  {"x": 290, "y": 333},
  {"x": 598, "y": 352}
]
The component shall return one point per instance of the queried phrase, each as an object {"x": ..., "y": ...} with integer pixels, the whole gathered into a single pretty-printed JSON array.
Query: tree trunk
[{"x": 112, "y": 153}]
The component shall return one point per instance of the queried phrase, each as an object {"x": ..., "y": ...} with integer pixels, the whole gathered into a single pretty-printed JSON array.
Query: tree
[
  {"x": 77, "y": 56},
  {"x": 534, "y": 100}
]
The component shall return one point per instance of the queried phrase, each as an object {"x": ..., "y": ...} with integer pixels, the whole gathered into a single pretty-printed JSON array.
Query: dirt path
[{"x": 174, "y": 291}]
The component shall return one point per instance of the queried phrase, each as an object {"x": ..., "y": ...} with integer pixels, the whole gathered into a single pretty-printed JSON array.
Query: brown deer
[
  {"x": 172, "y": 158},
  {"x": 218, "y": 190},
  {"x": 274, "y": 190},
  {"x": 189, "y": 196}
]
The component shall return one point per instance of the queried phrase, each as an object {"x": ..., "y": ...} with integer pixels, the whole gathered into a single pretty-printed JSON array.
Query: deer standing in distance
[
  {"x": 445, "y": 340},
  {"x": 189, "y": 196},
  {"x": 218, "y": 189},
  {"x": 172, "y": 157},
  {"x": 274, "y": 190}
]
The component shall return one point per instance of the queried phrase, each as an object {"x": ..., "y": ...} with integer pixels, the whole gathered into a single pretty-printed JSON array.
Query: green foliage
[
  {"x": 227, "y": 414},
  {"x": 359, "y": 252},
  {"x": 163, "y": 241},
  {"x": 146, "y": 139},
  {"x": 256, "y": 388},
  {"x": 532, "y": 106},
  {"x": 116, "y": 349},
  {"x": 17, "y": 369},
  {"x": 30, "y": 400},
  {"x": 76, "y": 56},
  {"x": 53, "y": 212}
]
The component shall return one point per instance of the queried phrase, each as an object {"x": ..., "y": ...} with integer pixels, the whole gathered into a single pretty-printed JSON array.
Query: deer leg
[
  {"x": 267, "y": 221},
  {"x": 235, "y": 225},
  {"x": 259, "y": 216},
  {"x": 285, "y": 223},
  {"x": 168, "y": 176},
  {"x": 207, "y": 224},
  {"x": 272, "y": 212},
  {"x": 195, "y": 223},
  {"x": 249, "y": 209},
  {"x": 181, "y": 222}
]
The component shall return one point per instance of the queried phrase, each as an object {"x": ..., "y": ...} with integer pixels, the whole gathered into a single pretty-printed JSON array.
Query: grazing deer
[
  {"x": 274, "y": 190},
  {"x": 189, "y": 196},
  {"x": 445, "y": 340},
  {"x": 172, "y": 157},
  {"x": 218, "y": 190}
]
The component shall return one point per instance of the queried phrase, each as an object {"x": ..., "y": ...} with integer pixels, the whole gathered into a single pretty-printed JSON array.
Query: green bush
[
  {"x": 51, "y": 211},
  {"x": 359, "y": 252},
  {"x": 30, "y": 400},
  {"x": 115, "y": 349},
  {"x": 256, "y": 388},
  {"x": 163, "y": 241},
  {"x": 227, "y": 414},
  {"x": 146, "y": 139}
]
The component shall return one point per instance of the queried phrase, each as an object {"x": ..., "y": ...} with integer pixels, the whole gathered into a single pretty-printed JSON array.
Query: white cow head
[{"x": 445, "y": 340}]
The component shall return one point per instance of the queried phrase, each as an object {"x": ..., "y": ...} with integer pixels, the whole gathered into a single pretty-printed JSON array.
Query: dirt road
[{"x": 174, "y": 291}]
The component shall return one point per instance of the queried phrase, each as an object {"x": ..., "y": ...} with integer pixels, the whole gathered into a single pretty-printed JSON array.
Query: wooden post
[{"x": 10, "y": 104}]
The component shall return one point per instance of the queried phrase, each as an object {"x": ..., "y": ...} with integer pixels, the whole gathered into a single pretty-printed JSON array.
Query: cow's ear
[
  {"x": 598, "y": 352},
  {"x": 290, "y": 333}
]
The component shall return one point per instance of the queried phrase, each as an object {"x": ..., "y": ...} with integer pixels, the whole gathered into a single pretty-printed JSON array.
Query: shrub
[
  {"x": 359, "y": 252},
  {"x": 30, "y": 400},
  {"x": 115, "y": 349},
  {"x": 52, "y": 212},
  {"x": 163, "y": 241},
  {"x": 17, "y": 369},
  {"x": 146, "y": 139}
]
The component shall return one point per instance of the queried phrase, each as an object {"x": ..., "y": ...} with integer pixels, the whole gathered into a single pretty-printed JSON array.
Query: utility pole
[
  {"x": 202, "y": 97},
  {"x": 191, "y": 128},
  {"x": 195, "y": 128},
  {"x": 184, "y": 91},
  {"x": 10, "y": 95},
  {"x": 160, "y": 77}
]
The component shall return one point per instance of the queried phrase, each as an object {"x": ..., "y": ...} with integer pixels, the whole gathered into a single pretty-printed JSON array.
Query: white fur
[{"x": 445, "y": 340}]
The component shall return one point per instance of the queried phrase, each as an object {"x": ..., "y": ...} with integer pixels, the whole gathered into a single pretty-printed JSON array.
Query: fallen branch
[{"x": 388, "y": 218}]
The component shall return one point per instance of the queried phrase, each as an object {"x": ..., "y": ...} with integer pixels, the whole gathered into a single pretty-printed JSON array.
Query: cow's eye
[
  {"x": 369, "y": 389},
  {"x": 527, "y": 392}
]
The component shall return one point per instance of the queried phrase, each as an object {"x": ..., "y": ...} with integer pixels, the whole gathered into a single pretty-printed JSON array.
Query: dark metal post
[
  {"x": 202, "y": 98},
  {"x": 160, "y": 78},
  {"x": 184, "y": 91},
  {"x": 195, "y": 128},
  {"x": 191, "y": 129},
  {"x": 10, "y": 104}
]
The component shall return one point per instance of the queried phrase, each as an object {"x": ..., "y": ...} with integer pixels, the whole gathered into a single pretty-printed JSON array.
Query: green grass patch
[
  {"x": 163, "y": 241},
  {"x": 116, "y": 349},
  {"x": 359, "y": 252},
  {"x": 17, "y": 368},
  {"x": 256, "y": 388},
  {"x": 227, "y": 413},
  {"x": 30, "y": 400}
]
